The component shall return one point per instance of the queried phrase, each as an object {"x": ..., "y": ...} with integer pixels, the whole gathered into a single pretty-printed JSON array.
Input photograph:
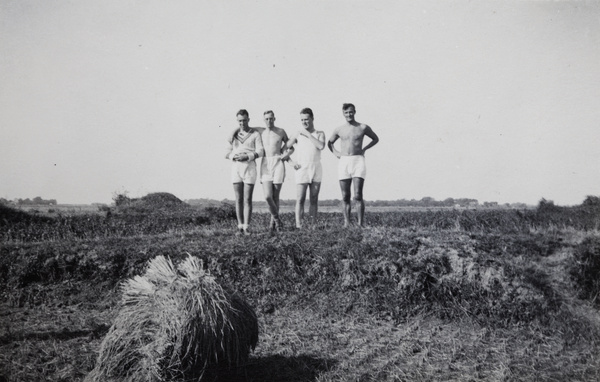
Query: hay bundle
[{"x": 175, "y": 323}]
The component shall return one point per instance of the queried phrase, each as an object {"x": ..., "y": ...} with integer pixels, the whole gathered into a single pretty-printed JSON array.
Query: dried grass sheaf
[{"x": 175, "y": 322}]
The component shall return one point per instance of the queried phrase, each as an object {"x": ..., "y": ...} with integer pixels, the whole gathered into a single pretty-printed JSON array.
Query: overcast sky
[{"x": 497, "y": 101}]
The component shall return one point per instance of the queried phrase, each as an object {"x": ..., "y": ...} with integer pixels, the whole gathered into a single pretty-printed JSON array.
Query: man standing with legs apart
[
  {"x": 309, "y": 172},
  {"x": 272, "y": 169},
  {"x": 351, "y": 168},
  {"x": 244, "y": 145}
]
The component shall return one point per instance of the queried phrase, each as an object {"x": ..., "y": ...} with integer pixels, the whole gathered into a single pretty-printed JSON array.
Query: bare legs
[
  {"x": 345, "y": 186},
  {"x": 301, "y": 188},
  {"x": 272, "y": 191},
  {"x": 243, "y": 204}
]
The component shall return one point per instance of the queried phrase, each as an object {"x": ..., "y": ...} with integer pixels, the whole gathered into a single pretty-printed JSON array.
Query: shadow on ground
[{"x": 275, "y": 368}]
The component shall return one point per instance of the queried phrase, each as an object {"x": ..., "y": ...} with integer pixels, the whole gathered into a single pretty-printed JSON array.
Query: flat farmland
[{"x": 418, "y": 295}]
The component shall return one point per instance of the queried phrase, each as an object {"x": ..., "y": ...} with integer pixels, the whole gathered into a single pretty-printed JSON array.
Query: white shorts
[
  {"x": 352, "y": 166},
  {"x": 272, "y": 170},
  {"x": 243, "y": 172},
  {"x": 309, "y": 173}
]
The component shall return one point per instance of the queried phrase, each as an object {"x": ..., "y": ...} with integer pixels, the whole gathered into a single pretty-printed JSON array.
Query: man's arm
[
  {"x": 258, "y": 152},
  {"x": 229, "y": 146},
  {"x": 285, "y": 150},
  {"x": 258, "y": 146},
  {"x": 318, "y": 142},
  {"x": 374, "y": 138},
  {"x": 334, "y": 137},
  {"x": 321, "y": 139},
  {"x": 292, "y": 141}
]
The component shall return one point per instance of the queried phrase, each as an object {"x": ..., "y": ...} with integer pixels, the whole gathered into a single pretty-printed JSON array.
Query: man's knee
[
  {"x": 346, "y": 198},
  {"x": 358, "y": 197}
]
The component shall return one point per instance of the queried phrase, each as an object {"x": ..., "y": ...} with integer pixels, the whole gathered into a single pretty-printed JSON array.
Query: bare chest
[
  {"x": 352, "y": 133},
  {"x": 272, "y": 141}
]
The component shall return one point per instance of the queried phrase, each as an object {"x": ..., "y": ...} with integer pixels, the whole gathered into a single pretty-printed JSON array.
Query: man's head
[
  {"x": 349, "y": 110},
  {"x": 307, "y": 110},
  {"x": 269, "y": 118},
  {"x": 306, "y": 118},
  {"x": 243, "y": 118}
]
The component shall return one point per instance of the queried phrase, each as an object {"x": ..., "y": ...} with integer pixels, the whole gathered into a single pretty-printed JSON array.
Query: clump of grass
[
  {"x": 586, "y": 270},
  {"x": 224, "y": 211},
  {"x": 175, "y": 322}
]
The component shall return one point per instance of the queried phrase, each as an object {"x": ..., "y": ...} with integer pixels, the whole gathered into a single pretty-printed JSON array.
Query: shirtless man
[
  {"x": 351, "y": 168},
  {"x": 244, "y": 145},
  {"x": 309, "y": 143},
  {"x": 272, "y": 169}
]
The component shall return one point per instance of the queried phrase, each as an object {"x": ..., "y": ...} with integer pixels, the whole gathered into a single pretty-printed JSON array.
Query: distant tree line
[
  {"x": 426, "y": 202},
  {"x": 37, "y": 201}
]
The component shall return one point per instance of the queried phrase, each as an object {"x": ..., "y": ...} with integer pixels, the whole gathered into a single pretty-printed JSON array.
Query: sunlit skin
[
  {"x": 351, "y": 136},
  {"x": 274, "y": 141}
]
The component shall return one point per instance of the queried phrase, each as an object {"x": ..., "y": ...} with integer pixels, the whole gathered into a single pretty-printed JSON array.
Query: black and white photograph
[{"x": 299, "y": 190}]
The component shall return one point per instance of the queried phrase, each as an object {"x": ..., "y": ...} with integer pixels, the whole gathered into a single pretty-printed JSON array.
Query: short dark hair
[
  {"x": 268, "y": 112},
  {"x": 308, "y": 111},
  {"x": 347, "y": 106},
  {"x": 243, "y": 112}
]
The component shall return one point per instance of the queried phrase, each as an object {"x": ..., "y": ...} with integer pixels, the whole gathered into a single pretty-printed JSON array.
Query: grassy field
[{"x": 440, "y": 295}]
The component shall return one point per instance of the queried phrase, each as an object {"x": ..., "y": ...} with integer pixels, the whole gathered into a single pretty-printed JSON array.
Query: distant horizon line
[{"x": 423, "y": 202}]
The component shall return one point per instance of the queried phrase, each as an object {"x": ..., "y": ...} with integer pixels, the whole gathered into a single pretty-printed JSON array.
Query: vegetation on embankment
[{"x": 524, "y": 276}]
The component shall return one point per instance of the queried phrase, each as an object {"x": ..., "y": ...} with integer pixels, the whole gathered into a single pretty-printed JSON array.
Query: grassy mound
[
  {"x": 175, "y": 322},
  {"x": 154, "y": 203},
  {"x": 11, "y": 216}
]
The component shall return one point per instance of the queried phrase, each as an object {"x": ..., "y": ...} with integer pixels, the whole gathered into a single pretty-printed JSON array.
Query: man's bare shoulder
[
  {"x": 360, "y": 126},
  {"x": 339, "y": 129},
  {"x": 345, "y": 130},
  {"x": 280, "y": 131}
]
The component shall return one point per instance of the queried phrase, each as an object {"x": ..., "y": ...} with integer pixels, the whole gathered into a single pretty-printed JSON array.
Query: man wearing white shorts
[
  {"x": 351, "y": 168},
  {"x": 244, "y": 146},
  {"x": 272, "y": 169},
  {"x": 309, "y": 172}
]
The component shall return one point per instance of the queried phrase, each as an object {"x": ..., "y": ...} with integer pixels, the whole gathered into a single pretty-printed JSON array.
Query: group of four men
[{"x": 246, "y": 144}]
